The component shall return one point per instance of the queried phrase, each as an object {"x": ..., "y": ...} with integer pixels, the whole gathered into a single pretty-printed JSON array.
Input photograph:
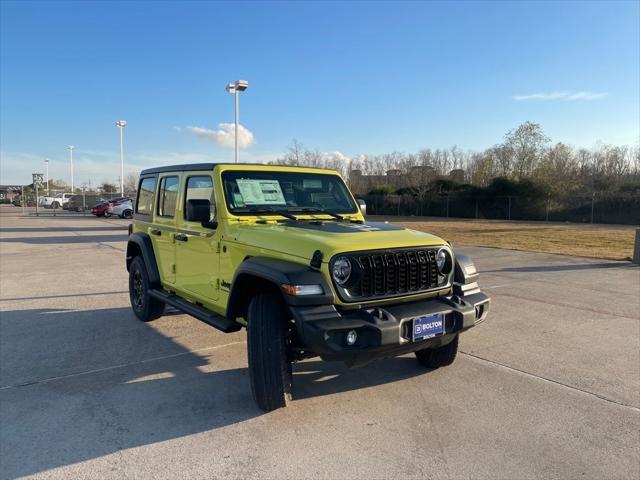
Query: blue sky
[{"x": 349, "y": 77}]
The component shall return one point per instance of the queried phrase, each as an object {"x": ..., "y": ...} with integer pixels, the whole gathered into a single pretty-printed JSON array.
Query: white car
[
  {"x": 56, "y": 201},
  {"x": 122, "y": 209}
]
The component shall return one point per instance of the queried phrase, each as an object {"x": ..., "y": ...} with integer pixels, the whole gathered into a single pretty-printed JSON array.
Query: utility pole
[
  {"x": 71, "y": 148},
  {"x": 46, "y": 167},
  {"x": 235, "y": 88},
  {"x": 121, "y": 124}
]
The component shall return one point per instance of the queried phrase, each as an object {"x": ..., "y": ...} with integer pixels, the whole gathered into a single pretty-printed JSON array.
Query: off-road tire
[
  {"x": 269, "y": 360},
  {"x": 439, "y": 357},
  {"x": 145, "y": 307}
]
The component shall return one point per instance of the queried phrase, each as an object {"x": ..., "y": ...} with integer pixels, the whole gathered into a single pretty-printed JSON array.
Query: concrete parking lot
[{"x": 548, "y": 386}]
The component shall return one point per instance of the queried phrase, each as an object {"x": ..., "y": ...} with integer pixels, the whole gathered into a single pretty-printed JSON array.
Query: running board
[{"x": 196, "y": 311}]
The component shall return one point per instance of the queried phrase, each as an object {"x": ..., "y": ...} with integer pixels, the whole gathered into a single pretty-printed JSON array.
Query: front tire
[
  {"x": 55, "y": 205},
  {"x": 439, "y": 357},
  {"x": 127, "y": 214},
  {"x": 144, "y": 305},
  {"x": 269, "y": 360}
]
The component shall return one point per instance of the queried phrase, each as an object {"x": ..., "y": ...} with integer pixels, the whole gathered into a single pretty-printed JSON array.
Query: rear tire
[
  {"x": 439, "y": 357},
  {"x": 269, "y": 360},
  {"x": 144, "y": 305}
]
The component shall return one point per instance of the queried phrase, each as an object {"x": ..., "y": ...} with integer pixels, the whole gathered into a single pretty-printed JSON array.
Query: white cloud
[
  {"x": 562, "y": 96},
  {"x": 335, "y": 156},
  {"x": 224, "y": 136}
]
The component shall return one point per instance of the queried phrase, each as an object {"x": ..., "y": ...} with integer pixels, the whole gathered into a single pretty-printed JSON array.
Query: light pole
[
  {"x": 121, "y": 124},
  {"x": 235, "y": 88},
  {"x": 71, "y": 148},
  {"x": 46, "y": 169}
]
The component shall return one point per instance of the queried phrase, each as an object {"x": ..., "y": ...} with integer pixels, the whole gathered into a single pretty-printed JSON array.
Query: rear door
[
  {"x": 197, "y": 248},
  {"x": 162, "y": 232}
]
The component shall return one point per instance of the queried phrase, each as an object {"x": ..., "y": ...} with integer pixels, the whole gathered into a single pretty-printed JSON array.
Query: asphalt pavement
[{"x": 548, "y": 386}]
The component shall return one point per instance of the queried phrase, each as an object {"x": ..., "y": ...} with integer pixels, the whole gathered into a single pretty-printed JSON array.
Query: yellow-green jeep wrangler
[{"x": 286, "y": 253}]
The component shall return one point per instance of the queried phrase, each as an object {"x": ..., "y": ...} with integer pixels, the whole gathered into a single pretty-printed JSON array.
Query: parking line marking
[
  {"x": 122, "y": 365},
  {"x": 62, "y": 296},
  {"x": 555, "y": 382}
]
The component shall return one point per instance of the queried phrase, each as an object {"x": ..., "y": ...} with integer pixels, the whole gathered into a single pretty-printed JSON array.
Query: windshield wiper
[
  {"x": 337, "y": 216},
  {"x": 282, "y": 213}
]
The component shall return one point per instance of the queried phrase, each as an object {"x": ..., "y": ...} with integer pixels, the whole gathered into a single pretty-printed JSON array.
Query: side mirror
[
  {"x": 363, "y": 205},
  {"x": 200, "y": 211}
]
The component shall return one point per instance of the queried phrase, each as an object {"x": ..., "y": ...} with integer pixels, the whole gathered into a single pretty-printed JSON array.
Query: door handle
[
  {"x": 181, "y": 238},
  {"x": 156, "y": 232}
]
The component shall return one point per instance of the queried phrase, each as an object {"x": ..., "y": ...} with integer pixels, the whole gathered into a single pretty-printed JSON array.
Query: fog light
[{"x": 351, "y": 337}]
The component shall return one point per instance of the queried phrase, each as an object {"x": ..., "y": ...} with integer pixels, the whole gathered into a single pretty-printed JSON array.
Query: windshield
[{"x": 249, "y": 191}]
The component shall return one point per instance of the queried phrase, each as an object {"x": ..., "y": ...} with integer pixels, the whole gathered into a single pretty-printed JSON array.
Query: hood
[{"x": 302, "y": 238}]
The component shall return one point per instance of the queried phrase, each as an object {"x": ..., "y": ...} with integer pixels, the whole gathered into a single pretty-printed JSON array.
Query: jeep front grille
[{"x": 389, "y": 273}]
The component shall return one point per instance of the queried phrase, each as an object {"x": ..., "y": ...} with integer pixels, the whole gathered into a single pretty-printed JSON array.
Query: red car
[{"x": 101, "y": 209}]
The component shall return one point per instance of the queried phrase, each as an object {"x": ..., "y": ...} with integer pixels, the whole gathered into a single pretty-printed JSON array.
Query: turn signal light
[{"x": 301, "y": 290}]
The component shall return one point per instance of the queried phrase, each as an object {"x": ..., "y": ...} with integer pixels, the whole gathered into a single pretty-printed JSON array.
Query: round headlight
[
  {"x": 341, "y": 270},
  {"x": 443, "y": 261}
]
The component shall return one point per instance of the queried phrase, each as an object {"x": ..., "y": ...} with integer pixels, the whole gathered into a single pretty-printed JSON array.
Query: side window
[
  {"x": 168, "y": 196},
  {"x": 144, "y": 203},
  {"x": 199, "y": 188}
]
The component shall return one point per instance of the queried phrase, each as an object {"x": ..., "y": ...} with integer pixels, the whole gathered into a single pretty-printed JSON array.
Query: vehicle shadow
[{"x": 79, "y": 385}]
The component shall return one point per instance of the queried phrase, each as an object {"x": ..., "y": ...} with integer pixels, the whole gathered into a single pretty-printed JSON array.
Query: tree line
[{"x": 526, "y": 156}]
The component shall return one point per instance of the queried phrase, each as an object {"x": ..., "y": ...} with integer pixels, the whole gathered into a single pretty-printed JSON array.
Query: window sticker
[
  {"x": 260, "y": 192},
  {"x": 312, "y": 183}
]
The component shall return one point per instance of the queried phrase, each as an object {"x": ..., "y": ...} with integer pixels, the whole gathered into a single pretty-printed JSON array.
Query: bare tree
[
  {"x": 527, "y": 143},
  {"x": 131, "y": 182}
]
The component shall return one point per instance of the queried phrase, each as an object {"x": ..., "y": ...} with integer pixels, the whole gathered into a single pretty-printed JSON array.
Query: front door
[
  {"x": 163, "y": 231},
  {"x": 197, "y": 247}
]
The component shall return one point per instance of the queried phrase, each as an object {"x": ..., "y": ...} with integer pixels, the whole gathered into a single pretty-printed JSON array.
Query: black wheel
[
  {"x": 144, "y": 306},
  {"x": 268, "y": 331},
  {"x": 55, "y": 205},
  {"x": 439, "y": 357},
  {"x": 127, "y": 214}
]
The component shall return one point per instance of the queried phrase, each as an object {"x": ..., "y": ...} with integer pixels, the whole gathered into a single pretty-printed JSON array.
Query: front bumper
[{"x": 384, "y": 331}]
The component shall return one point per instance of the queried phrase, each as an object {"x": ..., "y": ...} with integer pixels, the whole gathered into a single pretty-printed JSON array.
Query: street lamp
[
  {"x": 121, "y": 124},
  {"x": 46, "y": 168},
  {"x": 235, "y": 88},
  {"x": 71, "y": 148}
]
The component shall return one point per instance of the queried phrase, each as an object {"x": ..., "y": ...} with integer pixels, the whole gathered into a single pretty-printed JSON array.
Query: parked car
[
  {"x": 102, "y": 209},
  {"x": 286, "y": 252},
  {"x": 77, "y": 203},
  {"x": 57, "y": 201},
  {"x": 123, "y": 209}
]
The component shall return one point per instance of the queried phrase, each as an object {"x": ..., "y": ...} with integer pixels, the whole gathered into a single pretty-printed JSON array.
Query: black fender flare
[
  {"x": 277, "y": 273},
  {"x": 142, "y": 242}
]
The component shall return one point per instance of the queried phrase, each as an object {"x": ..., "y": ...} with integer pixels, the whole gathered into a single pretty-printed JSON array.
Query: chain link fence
[
  {"x": 596, "y": 208},
  {"x": 83, "y": 203}
]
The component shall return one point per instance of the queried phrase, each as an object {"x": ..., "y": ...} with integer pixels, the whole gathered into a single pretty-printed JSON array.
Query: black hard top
[
  {"x": 188, "y": 167},
  {"x": 179, "y": 168}
]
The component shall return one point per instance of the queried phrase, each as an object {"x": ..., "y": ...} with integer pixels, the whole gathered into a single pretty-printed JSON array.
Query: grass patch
[{"x": 613, "y": 242}]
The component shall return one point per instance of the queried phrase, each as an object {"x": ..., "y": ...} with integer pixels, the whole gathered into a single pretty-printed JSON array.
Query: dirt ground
[{"x": 614, "y": 242}]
